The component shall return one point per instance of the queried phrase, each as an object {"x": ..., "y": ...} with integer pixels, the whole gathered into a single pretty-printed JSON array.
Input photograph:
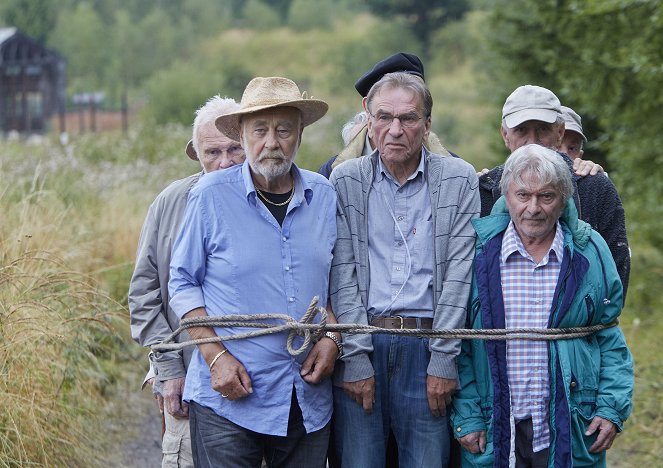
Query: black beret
[{"x": 400, "y": 62}]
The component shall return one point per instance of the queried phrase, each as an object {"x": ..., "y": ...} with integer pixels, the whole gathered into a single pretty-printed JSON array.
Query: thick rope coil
[{"x": 313, "y": 331}]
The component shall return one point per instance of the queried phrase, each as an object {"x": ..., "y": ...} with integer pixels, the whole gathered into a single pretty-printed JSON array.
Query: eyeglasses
[{"x": 408, "y": 120}]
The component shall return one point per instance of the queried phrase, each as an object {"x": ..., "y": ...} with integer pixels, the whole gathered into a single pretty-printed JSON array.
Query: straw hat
[{"x": 265, "y": 93}]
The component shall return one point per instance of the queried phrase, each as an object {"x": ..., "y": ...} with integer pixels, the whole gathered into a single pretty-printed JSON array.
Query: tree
[
  {"x": 603, "y": 57},
  {"x": 422, "y": 16},
  {"x": 308, "y": 14},
  {"x": 80, "y": 36},
  {"x": 36, "y": 18},
  {"x": 259, "y": 15}
]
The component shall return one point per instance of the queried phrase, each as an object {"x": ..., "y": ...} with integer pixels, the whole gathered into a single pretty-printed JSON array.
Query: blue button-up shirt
[
  {"x": 400, "y": 245},
  {"x": 232, "y": 257}
]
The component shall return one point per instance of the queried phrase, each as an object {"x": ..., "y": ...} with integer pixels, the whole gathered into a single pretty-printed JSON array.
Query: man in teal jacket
[{"x": 535, "y": 403}]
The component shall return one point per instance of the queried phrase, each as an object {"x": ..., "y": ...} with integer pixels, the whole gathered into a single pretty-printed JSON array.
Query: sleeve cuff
[
  {"x": 443, "y": 365},
  {"x": 355, "y": 368},
  {"x": 612, "y": 416},
  {"x": 467, "y": 426},
  {"x": 187, "y": 300},
  {"x": 168, "y": 366}
]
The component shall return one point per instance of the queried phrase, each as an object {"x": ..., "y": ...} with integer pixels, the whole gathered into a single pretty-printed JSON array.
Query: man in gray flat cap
[{"x": 574, "y": 139}]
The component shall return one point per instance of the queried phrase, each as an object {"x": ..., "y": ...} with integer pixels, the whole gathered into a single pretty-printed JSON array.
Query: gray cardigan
[
  {"x": 453, "y": 189},
  {"x": 152, "y": 319}
]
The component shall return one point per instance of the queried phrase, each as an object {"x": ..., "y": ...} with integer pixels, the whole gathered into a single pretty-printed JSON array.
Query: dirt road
[{"x": 134, "y": 429}]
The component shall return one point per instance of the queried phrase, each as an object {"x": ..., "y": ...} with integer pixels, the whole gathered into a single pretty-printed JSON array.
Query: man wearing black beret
[
  {"x": 361, "y": 144},
  {"x": 402, "y": 260}
]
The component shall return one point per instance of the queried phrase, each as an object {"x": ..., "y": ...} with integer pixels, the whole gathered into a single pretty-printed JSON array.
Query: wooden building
[{"x": 32, "y": 84}]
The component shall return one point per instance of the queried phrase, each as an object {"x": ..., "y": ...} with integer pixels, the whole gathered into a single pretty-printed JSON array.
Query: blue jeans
[
  {"x": 401, "y": 405},
  {"x": 217, "y": 442}
]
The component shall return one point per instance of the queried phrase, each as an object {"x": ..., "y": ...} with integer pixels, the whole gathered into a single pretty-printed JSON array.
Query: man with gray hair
[
  {"x": 403, "y": 259},
  {"x": 541, "y": 403},
  {"x": 532, "y": 114},
  {"x": 152, "y": 319}
]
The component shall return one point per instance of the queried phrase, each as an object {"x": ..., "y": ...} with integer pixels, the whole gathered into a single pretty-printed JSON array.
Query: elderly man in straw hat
[
  {"x": 258, "y": 239},
  {"x": 152, "y": 320}
]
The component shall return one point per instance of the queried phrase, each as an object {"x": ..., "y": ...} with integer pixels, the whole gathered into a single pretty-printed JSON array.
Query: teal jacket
[{"x": 589, "y": 377}]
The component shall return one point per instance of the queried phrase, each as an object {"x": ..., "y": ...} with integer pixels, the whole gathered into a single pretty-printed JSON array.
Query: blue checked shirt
[
  {"x": 528, "y": 289},
  {"x": 232, "y": 257},
  {"x": 401, "y": 284}
]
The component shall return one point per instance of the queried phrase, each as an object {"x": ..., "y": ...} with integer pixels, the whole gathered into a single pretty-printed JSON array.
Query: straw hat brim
[
  {"x": 312, "y": 110},
  {"x": 190, "y": 152}
]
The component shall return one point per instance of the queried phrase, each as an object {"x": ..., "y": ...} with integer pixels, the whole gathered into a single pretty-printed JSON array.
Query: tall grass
[
  {"x": 70, "y": 221},
  {"x": 51, "y": 323}
]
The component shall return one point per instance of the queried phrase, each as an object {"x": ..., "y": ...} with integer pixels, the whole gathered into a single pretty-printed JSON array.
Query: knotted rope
[{"x": 313, "y": 331}]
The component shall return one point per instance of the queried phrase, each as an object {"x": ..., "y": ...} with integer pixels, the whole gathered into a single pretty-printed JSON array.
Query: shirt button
[
  {"x": 399, "y": 243},
  {"x": 284, "y": 238},
  {"x": 398, "y": 268},
  {"x": 287, "y": 268},
  {"x": 400, "y": 218},
  {"x": 458, "y": 429},
  {"x": 291, "y": 299}
]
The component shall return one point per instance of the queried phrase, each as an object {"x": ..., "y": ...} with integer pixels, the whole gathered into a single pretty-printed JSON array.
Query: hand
[
  {"x": 319, "y": 363},
  {"x": 474, "y": 442},
  {"x": 229, "y": 377},
  {"x": 583, "y": 167},
  {"x": 362, "y": 391},
  {"x": 607, "y": 433},
  {"x": 159, "y": 399},
  {"x": 157, "y": 396},
  {"x": 439, "y": 393},
  {"x": 172, "y": 398}
]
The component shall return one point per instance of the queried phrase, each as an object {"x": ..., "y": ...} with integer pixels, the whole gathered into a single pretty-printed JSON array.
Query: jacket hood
[{"x": 490, "y": 226}]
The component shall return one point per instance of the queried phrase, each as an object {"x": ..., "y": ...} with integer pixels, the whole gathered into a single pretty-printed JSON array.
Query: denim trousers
[
  {"x": 401, "y": 404},
  {"x": 217, "y": 442}
]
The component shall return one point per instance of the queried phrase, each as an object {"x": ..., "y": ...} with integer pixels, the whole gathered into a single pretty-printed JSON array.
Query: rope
[{"x": 313, "y": 331}]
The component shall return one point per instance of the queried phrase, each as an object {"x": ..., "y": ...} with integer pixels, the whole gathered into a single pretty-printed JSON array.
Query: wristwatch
[{"x": 338, "y": 343}]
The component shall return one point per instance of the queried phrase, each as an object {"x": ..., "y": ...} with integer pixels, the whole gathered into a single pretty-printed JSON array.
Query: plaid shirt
[{"x": 528, "y": 290}]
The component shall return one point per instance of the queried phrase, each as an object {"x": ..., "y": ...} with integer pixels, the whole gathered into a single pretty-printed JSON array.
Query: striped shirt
[{"x": 528, "y": 289}]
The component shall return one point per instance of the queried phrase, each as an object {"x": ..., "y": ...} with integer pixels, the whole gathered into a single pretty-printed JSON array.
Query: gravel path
[{"x": 133, "y": 427}]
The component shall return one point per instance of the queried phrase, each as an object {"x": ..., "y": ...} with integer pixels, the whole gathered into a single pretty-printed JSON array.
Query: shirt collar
[
  {"x": 384, "y": 172},
  {"x": 511, "y": 243},
  {"x": 303, "y": 190}
]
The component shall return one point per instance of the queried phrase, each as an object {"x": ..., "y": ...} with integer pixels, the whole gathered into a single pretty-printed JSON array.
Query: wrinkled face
[
  {"x": 217, "y": 151},
  {"x": 533, "y": 132},
  {"x": 534, "y": 208},
  {"x": 397, "y": 124},
  {"x": 572, "y": 144},
  {"x": 271, "y": 139}
]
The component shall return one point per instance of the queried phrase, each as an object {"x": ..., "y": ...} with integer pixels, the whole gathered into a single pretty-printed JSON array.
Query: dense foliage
[{"x": 605, "y": 59}]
